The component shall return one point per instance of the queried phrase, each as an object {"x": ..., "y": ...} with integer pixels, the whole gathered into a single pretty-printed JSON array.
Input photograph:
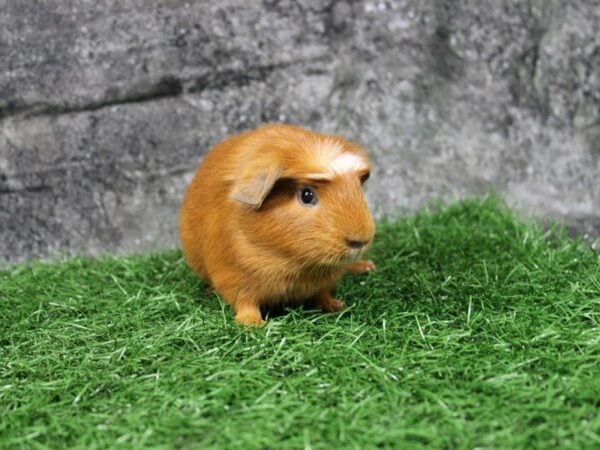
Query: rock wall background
[{"x": 107, "y": 107}]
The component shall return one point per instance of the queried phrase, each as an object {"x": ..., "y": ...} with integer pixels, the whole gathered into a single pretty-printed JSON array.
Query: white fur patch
[
  {"x": 326, "y": 151},
  {"x": 347, "y": 162},
  {"x": 331, "y": 156}
]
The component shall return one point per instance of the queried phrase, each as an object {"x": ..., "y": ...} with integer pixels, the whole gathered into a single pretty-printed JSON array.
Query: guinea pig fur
[{"x": 276, "y": 216}]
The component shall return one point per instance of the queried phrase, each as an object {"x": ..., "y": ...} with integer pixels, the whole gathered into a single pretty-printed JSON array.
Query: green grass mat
[{"x": 478, "y": 330}]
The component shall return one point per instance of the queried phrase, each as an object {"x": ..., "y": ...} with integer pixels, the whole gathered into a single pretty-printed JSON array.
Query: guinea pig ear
[{"x": 252, "y": 189}]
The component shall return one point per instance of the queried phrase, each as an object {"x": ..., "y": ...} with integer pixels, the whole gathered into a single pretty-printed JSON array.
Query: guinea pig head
[{"x": 302, "y": 198}]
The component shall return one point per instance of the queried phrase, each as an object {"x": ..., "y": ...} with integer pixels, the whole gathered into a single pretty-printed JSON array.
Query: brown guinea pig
[{"x": 276, "y": 216}]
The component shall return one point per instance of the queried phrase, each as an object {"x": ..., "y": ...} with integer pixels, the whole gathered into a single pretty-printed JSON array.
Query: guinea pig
[{"x": 276, "y": 216}]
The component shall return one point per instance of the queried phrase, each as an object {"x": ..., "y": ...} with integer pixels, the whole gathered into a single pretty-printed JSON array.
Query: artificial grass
[{"x": 477, "y": 330}]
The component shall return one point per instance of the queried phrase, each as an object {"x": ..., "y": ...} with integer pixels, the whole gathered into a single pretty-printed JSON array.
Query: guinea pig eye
[
  {"x": 307, "y": 196},
  {"x": 365, "y": 177}
]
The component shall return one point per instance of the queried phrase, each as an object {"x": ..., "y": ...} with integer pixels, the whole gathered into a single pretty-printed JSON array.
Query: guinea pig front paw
[
  {"x": 250, "y": 319},
  {"x": 247, "y": 312},
  {"x": 361, "y": 266},
  {"x": 334, "y": 305},
  {"x": 327, "y": 303}
]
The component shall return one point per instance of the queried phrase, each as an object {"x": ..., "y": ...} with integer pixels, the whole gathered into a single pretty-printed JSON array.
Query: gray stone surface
[{"x": 107, "y": 107}]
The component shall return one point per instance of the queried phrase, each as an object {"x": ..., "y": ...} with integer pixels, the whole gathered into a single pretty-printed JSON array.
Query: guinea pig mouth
[
  {"x": 343, "y": 257},
  {"x": 353, "y": 255}
]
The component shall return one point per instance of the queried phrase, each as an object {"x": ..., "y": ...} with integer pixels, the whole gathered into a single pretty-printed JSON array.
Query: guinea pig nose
[{"x": 356, "y": 244}]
